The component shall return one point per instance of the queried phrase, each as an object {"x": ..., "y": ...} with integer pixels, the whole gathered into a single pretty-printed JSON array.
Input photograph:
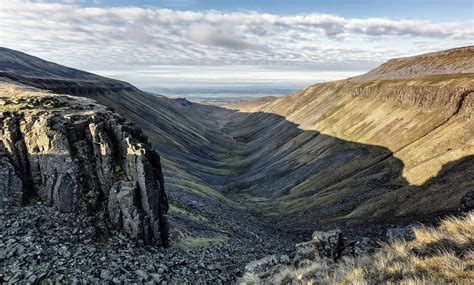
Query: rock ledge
[{"x": 78, "y": 156}]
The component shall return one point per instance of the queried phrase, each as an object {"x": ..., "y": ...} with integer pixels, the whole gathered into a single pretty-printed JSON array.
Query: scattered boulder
[
  {"x": 333, "y": 245},
  {"x": 264, "y": 264},
  {"x": 405, "y": 233},
  {"x": 363, "y": 246},
  {"x": 330, "y": 246},
  {"x": 467, "y": 201},
  {"x": 329, "y": 243}
]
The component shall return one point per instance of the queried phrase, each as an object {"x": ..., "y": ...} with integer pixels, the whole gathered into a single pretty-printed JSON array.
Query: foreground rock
[
  {"x": 37, "y": 242},
  {"x": 329, "y": 246},
  {"x": 467, "y": 201},
  {"x": 325, "y": 252},
  {"x": 78, "y": 156}
]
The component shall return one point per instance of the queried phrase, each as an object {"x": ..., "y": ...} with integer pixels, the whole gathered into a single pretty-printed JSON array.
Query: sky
[{"x": 194, "y": 43}]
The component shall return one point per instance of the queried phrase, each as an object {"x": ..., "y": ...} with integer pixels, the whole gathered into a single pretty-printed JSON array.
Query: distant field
[{"x": 222, "y": 95}]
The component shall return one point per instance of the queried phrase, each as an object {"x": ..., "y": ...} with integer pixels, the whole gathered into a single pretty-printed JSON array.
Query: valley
[{"x": 253, "y": 178}]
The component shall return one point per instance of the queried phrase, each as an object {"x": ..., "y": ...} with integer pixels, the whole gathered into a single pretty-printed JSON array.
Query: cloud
[
  {"x": 222, "y": 36},
  {"x": 117, "y": 38}
]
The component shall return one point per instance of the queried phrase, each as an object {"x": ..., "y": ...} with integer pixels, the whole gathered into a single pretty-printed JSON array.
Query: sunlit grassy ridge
[
  {"x": 439, "y": 255},
  {"x": 379, "y": 113}
]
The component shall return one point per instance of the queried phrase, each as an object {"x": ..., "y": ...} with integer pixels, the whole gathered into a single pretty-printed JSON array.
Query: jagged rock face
[
  {"x": 78, "y": 156},
  {"x": 11, "y": 186}
]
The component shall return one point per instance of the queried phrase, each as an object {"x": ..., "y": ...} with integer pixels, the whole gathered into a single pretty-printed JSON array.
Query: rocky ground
[{"x": 38, "y": 243}]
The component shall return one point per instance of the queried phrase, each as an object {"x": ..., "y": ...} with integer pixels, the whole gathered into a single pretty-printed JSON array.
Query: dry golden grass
[{"x": 442, "y": 255}]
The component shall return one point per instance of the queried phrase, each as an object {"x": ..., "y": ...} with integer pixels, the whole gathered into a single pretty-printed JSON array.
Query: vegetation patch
[
  {"x": 198, "y": 188},
  {"x": 175, "y": 210},
  {"x": 194, "y": 243}
]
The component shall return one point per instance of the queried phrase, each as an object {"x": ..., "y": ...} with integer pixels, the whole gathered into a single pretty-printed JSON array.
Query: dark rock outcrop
[
  {"x": 11, "y": 186},
  {"x": 80, "y": 157},
  {"x": 405, "y": 233},
  {"x": 330, "y": 247},
  {"x": 467, "y": 201}
]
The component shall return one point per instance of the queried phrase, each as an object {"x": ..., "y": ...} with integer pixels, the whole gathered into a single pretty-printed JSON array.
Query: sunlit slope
[
  {"x": 425, "y": 122},
  {"x": 371, "y": 149}
]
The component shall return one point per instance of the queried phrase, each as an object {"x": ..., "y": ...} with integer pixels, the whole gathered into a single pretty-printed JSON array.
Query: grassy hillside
[{"x": 406, "y": 131}]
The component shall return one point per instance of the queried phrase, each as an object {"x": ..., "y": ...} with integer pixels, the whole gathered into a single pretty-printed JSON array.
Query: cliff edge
[{"x": 78, "y": 156}]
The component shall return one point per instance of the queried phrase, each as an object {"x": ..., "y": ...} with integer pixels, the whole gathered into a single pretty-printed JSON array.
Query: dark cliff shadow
[{"x": 330, "y": 177}]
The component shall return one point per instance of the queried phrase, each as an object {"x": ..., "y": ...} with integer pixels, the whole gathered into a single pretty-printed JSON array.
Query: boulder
[
  {"x": 265, "y": 264},
  {"x": 363, "y": 246},
  {"x": 327, "y": 247},
  {"x": 262, "y": 264},
  {"x": 405, "y": 233},
  {"x": 467, "y": 201},
  {"x": 328, "y": 243}
]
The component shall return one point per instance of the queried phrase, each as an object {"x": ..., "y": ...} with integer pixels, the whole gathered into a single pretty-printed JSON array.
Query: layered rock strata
[{"x": 77, "y": 156}]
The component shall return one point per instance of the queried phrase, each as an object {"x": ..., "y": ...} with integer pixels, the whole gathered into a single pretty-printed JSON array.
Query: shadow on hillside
[{"x": 329, "y": 177}]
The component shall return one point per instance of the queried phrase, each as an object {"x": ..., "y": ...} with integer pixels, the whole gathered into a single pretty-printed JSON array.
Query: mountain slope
[
  {"x": 359, "y": 154},
  {"x": 424, "y": 125},
  {"x": 192, "y": 147},
  {"x": 171, "y": 124}
]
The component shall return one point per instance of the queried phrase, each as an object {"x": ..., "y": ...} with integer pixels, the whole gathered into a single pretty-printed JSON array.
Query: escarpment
[
  {"x": 78, "y": 156},
  {"x": 451, "y": 61},
  {"x": 417, "y": 94},
  {"x": 77, "y": 87}
]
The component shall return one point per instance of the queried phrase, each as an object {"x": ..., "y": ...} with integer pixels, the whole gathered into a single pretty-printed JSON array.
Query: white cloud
[
  {"x": 222, "y": 36},
  {"x": 125, "y": 38}
]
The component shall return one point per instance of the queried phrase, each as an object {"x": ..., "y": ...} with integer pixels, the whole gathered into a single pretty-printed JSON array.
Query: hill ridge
[{"x": 451, "y": 61}]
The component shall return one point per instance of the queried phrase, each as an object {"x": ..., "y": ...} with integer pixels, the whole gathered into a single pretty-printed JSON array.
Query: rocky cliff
[
  {"x": 78, "y": 156},
  {"x": 451, "y": 61}
]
